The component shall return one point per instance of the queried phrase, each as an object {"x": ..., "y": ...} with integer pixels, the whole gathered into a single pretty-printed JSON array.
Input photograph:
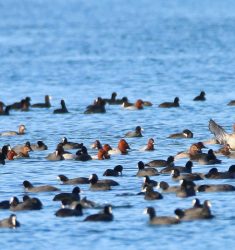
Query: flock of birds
[{"x": 73, "y": 205}]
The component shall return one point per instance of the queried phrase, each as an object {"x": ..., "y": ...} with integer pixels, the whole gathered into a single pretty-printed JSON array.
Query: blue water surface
[{"x": 81, "y": 49}]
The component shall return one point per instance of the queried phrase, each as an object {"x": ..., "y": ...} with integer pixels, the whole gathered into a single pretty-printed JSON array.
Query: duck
[
  {"x": 116, "y": 171},
  {"x": 11, "y": 154},
  {"x": 10, "y": 222},
  {"x": 194, "y": 152},
  {"x": 161, "y": 163},
  {"x": 69, "y": 197},
  {"x": 215, "y": 188},
  {"x": 195, "y": 213},
  {"x": 82, "y": 155},
  {"x": 166, "y": 188},
  {"x": 200, "y": 97},
  {"x": 175, "y": 174},
  {"x": 23, "y": 151},
  {"x": 105, "y": 215},
  {"x": 28, "y": 187},
  {"x": 19, "y": 148},
  {"x": 39, "y": 146},
  {"x": 70, "y": 145},
  {"x": 221, "y": 135},
  {"x": 149, "y": 146},
  {"x": 73, "y": 181},
  {"x": 57, "y": 155},
  {"x": 121, "y": 149},
  {"x": 102, "y": 155},
  {"x": 68, "y": 212},
  {"x": 186, "y": 133},
  {"x": 5, "y": 111},
  {"x": 150, "y": 194},
  {"x": 226, "y": 151},
  {"x": 13, "y": 133},
  {"x": 138, "y": 105},
  {"x": 46, "y": 104},
  {"x": 160, "y": 220},
  {"x": 62, "y": 110},
  {"x": 187, "y": 189},
  {"x": 97, "y": 107},
  {"x": 96, "y": 185},
  {"x": 27, "y": 204},
  {"x": 136, "y": 133},
  {"x": 173, "y": 104},
  {"x": 145, "y": 171},
  {"x": 231, "y": 103}
]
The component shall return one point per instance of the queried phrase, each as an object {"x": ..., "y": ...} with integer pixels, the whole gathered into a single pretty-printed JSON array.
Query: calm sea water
[{"x": 79, "y": 50}]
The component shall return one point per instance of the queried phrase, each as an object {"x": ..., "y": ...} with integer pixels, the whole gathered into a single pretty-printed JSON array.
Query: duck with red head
[
  {"x": 121, "y": 149},
  {"x": 137, "y": 106}
]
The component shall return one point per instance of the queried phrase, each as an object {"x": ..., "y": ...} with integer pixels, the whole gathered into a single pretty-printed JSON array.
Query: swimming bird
[
  {"x": 113, "y": 100},
  {"x": 10, "y": 222},
  {"x": 5, "y": 111},
  {"x": 70, "y": 145},
  {"x": 136, "y": 133},
  {"x": 176, "y": 176},
  {"x": 97, "y": 107},
  {"x": 62, "y": 110},
  {"x": 57, "y": 155},
  {"x": 231, "y": 103},
  {"x": 187, "y": 189},
  {"x": 4, "y": 204},
  {"x": 186, "y": 133},
  {"x": 138, "y": 105},
  {"x": 161, "y": 163},
  {"x": 145, "y": 171},
  {"x": 105, "y": 215},
  {"x": 27, "y": 204},
  {"x": 39, "y": 146},
  {"x": 97, "y": 185},
  {"x": 121, "y": 149},
  {"x": 73, "y": 181},
  {"x": 116, "y": 171},
  {"x": 160, "y": 220},
  {"x": 200, "y": 97},
  {"x": 221, "y": 135},
  {"x": 168, "y": 189},
  {"x": 213, "y": 173},
  {"x": 150, "y": 194},
  {"x": 45, "y": 188},
  {"x": 68, "y": 212},
  {"x": 215, "y": 188},
  {"x": 186, "y": 169},
  {"x": 173, "y": 104},
  {"x": 82, "y": 155},
  {"x": 69, "y": 197},
  {"x": 195, "y": 213},
  {"x": 13, "y": 133},
  {"x": 46, "y": 104},
  {"x": 149, "y": 146}
]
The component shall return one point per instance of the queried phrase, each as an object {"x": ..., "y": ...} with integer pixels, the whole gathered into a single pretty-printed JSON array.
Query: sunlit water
[{"x": 79, "y": 50}]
